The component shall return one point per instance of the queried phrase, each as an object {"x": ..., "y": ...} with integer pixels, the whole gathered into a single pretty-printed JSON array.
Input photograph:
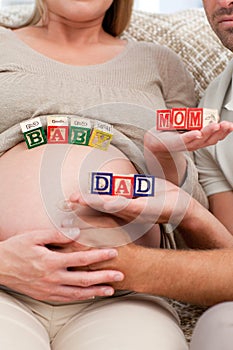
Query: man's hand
[
  {"x": 29, "y": 267},
  {"x": 169, "y": 204}
]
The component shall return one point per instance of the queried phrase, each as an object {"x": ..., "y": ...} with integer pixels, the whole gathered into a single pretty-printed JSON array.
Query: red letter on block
[
  {"x": 195, "y": 118},
  {"x": 179, "y": 118},
  {"x": 164, "y": 119},
  {"x": 123, "y": 185}
]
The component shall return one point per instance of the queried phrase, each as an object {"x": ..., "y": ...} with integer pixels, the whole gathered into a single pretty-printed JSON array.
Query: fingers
[
  {"x": 43, "y": 237},
  {"x": 70, "y": 294},
  {"x": 210, "y": 135},
  {"x": 85, "y": 258},
  {"x": 86, "y": 279}
]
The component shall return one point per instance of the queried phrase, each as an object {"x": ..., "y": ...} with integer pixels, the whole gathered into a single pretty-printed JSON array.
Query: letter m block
[{"x": 163, "y": 121}]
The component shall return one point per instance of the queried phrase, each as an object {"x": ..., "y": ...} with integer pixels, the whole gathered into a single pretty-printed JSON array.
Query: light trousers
[
  {"x": 214, "y": 330},
  {"x": 133, "y": 321}
]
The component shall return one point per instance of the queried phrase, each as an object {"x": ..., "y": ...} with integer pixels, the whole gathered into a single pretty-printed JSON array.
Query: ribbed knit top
[{"x": 124, "y": 91}]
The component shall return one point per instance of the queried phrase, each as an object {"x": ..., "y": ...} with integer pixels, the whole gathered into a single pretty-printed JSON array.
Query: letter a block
[
  {"x": 80, "y": 131},
  {"x": 33, "y": 132},
  {"x": 57, "y": 129},
  {"x": 123, "y": 185},
  {"x": 101, "y": 183},
  {"x": 101, "y": 136},
  {"x": 144, "y": 186}
]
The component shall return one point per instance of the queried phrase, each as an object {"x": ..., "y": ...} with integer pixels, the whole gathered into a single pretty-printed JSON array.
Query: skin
[
  {"x": 167, "y": 148},
  {"x": 196, "y": 276}
]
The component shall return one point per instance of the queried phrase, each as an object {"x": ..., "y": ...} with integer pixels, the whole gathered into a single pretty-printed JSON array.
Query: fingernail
[
  {"x": 118, "y": 277},
  {"x": 108, "y": 292},
  {"x": 112, "y": 253}
]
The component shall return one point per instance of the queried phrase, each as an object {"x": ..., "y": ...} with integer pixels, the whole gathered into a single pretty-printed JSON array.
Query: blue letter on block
[
  {"x": 101, "y": 183},
  {"x": 144, "y": 185}
]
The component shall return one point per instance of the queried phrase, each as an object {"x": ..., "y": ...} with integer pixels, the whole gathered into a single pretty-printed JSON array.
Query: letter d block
[
  {"x": 80, "y": 131},
  {"x": 33, "y": 132},
  {"x": 144, "y": 186},
  {"x": 101, "y": 183}
]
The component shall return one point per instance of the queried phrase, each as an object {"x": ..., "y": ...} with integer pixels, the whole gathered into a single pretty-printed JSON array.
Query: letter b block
[
  {"x": 33, "y": 132},
  {"x": 80, "y": 131}
]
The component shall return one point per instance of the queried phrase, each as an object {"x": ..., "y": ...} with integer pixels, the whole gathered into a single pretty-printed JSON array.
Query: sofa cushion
[{"x": 188, "y": 34}]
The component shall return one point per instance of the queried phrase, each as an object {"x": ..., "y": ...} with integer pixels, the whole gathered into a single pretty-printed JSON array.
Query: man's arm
[
  {"x": 199, "y": 277},
  {"x": 170, "y": 204}
]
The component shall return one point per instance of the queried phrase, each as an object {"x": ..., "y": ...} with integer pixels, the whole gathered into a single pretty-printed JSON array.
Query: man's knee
[{"x": 214, "y": 330}]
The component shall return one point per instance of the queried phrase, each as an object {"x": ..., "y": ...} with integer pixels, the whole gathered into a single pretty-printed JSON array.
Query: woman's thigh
[
  {"x": 130, "y": 322},
  {"x": 19, "y": 329},
  {"x": 214, "y": 330}
]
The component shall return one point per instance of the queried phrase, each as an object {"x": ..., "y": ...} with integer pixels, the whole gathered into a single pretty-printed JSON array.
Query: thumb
[{"x": 43, "y": 237}]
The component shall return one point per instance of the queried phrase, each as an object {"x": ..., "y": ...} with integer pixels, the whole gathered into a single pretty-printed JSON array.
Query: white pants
[
  {"x": 130, "y": 322},
  {"x": 214, "y": 330}
]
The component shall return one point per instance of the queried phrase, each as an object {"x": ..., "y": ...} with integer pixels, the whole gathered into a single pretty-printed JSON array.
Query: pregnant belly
[{"x": 35, "y": 182}]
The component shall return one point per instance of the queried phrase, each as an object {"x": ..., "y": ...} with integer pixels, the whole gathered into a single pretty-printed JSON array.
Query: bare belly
[{"x": 34, "y": 182}]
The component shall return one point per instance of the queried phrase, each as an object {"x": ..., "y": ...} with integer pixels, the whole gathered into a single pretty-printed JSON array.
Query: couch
[{"x": 190, "y": 36}]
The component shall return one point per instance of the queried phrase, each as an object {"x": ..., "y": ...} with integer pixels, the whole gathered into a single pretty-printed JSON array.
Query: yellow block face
[{"x": 100, "y": 139}]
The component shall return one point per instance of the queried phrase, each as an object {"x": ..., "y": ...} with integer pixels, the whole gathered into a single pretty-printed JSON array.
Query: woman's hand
[
  {"x": 29, "y": 267},
  {"x": 163, "y": 150},
  {"x": 174, "y": 141}
]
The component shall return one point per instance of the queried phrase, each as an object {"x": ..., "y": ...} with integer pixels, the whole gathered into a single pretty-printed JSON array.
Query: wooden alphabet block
[
  {"x": 144, "y": 186},
  {"x": 210, "y": 116},
  {"x": 101, "y": 183},
  {"x": 185, "y": 118},
  {"x": 80, "y": 131},
  {"x": 179, "y": 118},
  {"x": 101, "y": 136},
  {"x": 57, "y": 129},
  {"x": 195, "y": 119},
  {"x": 123, "y": 185},
  {"x": 164, "y": 121},
  {"x": 33, "y": 132}
]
